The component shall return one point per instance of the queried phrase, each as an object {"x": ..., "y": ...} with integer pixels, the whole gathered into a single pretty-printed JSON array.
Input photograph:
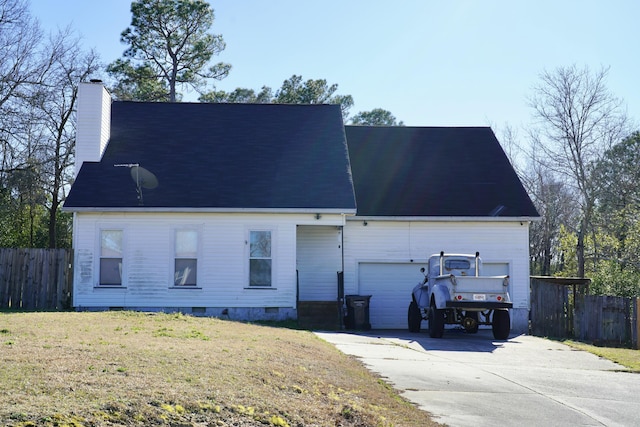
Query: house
[{"x": 257, "y": 211}]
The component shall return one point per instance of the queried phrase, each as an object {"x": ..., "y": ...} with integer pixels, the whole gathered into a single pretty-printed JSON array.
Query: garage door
[
  {"x": 495, "y": 268},
  {"x": 389, "y": 285}
]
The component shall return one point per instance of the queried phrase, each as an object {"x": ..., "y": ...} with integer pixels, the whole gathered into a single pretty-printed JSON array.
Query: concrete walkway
[{"x": 473, "y": 380}]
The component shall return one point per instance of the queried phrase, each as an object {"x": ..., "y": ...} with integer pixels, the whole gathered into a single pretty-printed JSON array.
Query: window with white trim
[
  {"x": 186, "y": 257},
  {"x": 260, "y": 261},
  {"x": 111, "y": 249}
]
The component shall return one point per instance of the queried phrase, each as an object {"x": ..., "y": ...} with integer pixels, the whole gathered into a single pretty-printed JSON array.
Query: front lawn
[{"x": 126, "y": 368}]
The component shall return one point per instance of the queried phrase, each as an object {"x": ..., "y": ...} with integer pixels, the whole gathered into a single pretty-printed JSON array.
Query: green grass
[
  {"x": 626, "y": 357},
  {"x": 135, "y": 369}
]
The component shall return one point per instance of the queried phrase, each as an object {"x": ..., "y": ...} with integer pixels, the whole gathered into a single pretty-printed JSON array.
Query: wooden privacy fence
[
  {"x": 35, "y": 279},
  {"x": 551, "y": 311},
  {"x": 561, "y": 308},
  {"x": 607, "y": 320}
]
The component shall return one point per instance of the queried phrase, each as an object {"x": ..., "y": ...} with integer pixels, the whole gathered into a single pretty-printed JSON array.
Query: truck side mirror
[{"x": 422, "y": 270}]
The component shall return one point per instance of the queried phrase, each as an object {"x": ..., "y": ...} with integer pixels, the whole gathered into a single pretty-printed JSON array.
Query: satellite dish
[{"x": 143, "y": 178}]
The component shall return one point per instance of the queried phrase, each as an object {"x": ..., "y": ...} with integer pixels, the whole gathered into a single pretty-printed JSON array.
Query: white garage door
[
  {"x": 389, "y": 285},
  {"x": 495, "y": 268}
]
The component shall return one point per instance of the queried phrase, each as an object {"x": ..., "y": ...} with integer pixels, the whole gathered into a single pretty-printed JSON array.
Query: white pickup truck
[{"x": 454, "y": 292}]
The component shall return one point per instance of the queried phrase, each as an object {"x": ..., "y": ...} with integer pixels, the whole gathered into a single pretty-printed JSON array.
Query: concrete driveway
[{"x": 472, "y": 380}]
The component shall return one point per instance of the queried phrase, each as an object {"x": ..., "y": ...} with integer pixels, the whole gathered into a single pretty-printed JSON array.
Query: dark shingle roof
[
  {"x": 295, "y": 157},
  {"x": 434, "y": 171},
  {"x": 229, "y": 156}
]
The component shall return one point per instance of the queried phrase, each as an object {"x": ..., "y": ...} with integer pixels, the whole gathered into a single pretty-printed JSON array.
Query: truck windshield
[{"x": 457, "y": 264}]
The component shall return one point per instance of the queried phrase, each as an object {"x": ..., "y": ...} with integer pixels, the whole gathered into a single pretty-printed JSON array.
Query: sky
[{"x": 430, "y": 63}]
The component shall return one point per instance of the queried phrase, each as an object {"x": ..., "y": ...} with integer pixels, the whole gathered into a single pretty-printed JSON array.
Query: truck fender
[
  {"x": 440, "y": 295},
  {"x": 421, "y": 295}
]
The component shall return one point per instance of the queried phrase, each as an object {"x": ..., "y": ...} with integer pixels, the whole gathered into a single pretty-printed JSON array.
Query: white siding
[
  {"x": 319, "y": 258},
  {"x": 502, "y": 245},
  {"x": 222, "y": 265},
  {"x": 301, "y": 242}
]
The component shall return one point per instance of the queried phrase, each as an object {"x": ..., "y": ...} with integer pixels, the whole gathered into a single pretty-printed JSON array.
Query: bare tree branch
[{"x": 577, "y": 119}]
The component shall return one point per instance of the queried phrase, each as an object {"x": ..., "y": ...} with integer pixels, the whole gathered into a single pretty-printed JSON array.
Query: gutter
[
  {"x": 445, "y": 218},
  {"x": 345, "y": 212}
]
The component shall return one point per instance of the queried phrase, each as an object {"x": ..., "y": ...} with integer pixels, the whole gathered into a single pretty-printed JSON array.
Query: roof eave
[
  {"x": 143, "y": 209},
  {"x": 445, "y": 218}
]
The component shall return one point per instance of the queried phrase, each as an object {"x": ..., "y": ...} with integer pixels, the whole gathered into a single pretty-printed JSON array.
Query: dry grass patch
[
  {"x": 125, "y": 368},
  {"x": 624, "y": 356}
]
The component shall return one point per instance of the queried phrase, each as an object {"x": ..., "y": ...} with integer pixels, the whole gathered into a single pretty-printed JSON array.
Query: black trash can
[{"x": 357, "y": 312}]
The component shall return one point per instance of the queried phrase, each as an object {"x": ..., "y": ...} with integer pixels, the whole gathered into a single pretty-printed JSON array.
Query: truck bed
[{"x": 471, "y": 292}]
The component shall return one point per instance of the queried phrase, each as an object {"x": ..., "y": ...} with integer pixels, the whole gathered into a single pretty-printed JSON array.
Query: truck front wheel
[
  {"x": 436, "y": 321},
  {"x": 414, "y": 317},
  {"x": 501, "y": 324}
]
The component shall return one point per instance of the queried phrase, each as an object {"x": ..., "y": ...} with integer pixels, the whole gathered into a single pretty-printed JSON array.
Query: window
[
  {"x": 457, "y": 264},
  {"x": 186, "y": 258},
  {"x": 111, "y": 257},
  {"x": 260, "y": 258}
]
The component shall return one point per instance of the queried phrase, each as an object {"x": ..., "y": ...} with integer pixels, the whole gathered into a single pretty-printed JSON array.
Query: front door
[{"x": 319, "y": 259}]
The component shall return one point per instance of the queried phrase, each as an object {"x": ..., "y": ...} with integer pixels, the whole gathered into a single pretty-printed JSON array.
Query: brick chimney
[{"x": 94, "y": 122}]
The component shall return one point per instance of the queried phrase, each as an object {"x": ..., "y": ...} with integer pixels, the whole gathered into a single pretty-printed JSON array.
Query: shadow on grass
[
  {"x": 34, "y": 310},
  {"x": 281, "y": 324}
]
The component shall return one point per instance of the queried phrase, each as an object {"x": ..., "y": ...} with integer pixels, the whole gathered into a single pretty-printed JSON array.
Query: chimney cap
[{"x": 95, "y": 81}]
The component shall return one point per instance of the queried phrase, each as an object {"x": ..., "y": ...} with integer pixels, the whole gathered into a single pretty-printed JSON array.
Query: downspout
[
  {"x": 341, "y": 307},
  {"x": 74, "y": 246},
  {"x": 297, "y": 274},
  {"x": 342, "y": 250}
]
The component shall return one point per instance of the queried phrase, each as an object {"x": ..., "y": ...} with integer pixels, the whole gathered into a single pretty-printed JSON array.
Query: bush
[{"x": 613, "y": 279}]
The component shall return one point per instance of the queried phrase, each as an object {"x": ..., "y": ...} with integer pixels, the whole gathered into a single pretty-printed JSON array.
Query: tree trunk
[
  {"x": 53, "y": 222},
  {"x": 580, "y": 250},
  {"x": 546, "y": 259}
]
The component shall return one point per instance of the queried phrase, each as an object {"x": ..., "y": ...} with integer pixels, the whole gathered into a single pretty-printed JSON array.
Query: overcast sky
[{"x": 431, "y": 63}]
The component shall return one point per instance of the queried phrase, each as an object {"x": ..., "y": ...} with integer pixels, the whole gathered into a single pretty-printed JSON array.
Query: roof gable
[
  {"x": 434, "y": 171},
  {"x": 227, "y": 156}
]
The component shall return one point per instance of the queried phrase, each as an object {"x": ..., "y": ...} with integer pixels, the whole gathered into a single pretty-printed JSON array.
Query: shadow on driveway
[{"x": 453, "y": 339}]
